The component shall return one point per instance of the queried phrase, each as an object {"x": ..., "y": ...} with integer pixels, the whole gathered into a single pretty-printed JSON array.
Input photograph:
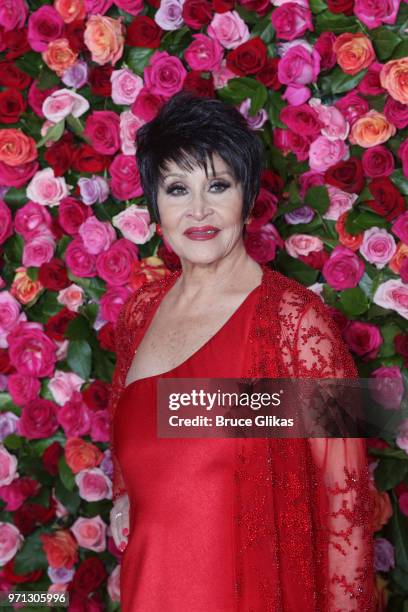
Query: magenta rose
[
  {"x": 112, "y": 301},
  {"x": 97, "y": 236},
  {"x": 310, "y": 179},
  {"x": 364, "y": 339},
  {"x": 102, "y": 128},
  {"x": 71, "y": 215},
  {"x": 93, "y": 484},
  {"x": 36, "y": 97},
  {"x": 396, "y": 113},
  {"x": 115, "y": 265},
  {"x": 22, "y": 388},
  {"x": 13, "y": 14},
  {"x": 373, "y": 13},
  {"x": 165, "y": 74},
  {"x": 295, "y": 142},
  {"x": 400, "y": 227},
  {"x": 16, "y": 493},
  {"x": 31, "y": 219},
  {"x": 303, "y": 119},
  {"x": 263, "y": 210},
  {"x": 299, "y": 66},
  {"x": 291, "y": 20},
  {"x": 261, "y": 245},
  {"x": 147, "y": 104},
  {"x": 38, "y": 419},
  {"x": 78, "y": 260},
  {"x": 378, "y": 161},
  {"x": 344, "y": 269},
  {"x": 324, "y": 47},
  {"x": 6, "y": 223},
  {"x": 100, "y": 426},
  {"x": 204, "y": 53},
  {"x": 44, "y": 25},
  {"x": 39, "y": 250},
  {"x": 31, "y": 351},
  {"x": 10, "y": 542},
  {"x": 125, "y": 177},
  {"x": 17, "y": 176},
  {"x": 74, "y": 416},
  {"x": 352, "y": 106},
  {"x": 403, "y": 155}
]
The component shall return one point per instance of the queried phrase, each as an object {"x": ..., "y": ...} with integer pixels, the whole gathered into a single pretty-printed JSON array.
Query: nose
[{"x": 200, "y": 207}]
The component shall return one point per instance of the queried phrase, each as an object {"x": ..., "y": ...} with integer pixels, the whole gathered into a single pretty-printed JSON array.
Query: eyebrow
[{"x": 212, "y": 175}]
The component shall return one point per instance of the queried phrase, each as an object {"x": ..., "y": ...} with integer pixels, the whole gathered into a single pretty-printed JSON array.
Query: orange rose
[
  {"x": 70, "y": 10},
  {"x": 80, "y": 455},
  {"x": 394, "y": 78},
  {"x": 61, "y": 548},
  {"x": 23, "y": 288},
  {"x": 353, "y": 52},
  {"x": 16, "y": 148},
  {"x": 382, "y": 507},
  {"x": 351, "y": 241},
  {"x": 371, "y": 129},
  {"x": 104, "y": 38},
  {"x": 400, "y": 254},
  {"x": 59, "y": 56}
]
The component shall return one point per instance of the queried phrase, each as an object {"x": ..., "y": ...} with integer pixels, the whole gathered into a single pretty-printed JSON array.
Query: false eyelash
[{"x": 171, "y": 189}]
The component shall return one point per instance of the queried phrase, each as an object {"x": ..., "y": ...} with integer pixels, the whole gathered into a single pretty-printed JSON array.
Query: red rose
[
  {"x": 261, "y": 7},
  {"x": 247, "y": 58},
  {"x": 99, "y": 79},
  {"x": 16, "y": 43},
  {"x": 171, "y": 259},
  {"x": 324, "y": 46},
  {"x": 89, "y": 576},
  {"x": 154, "y": 3},
  {"x": 197, "y": 13},
  {"x": 272, "y": 181},
  {"x": 38, "y": 419},
  {"x": 223, "y": 6},
  {"x": 106, "y": 337},
  {"x": 316, "y": 259},
  {"x": 346, "y": 175},
  {"x": 29, "y": 516},
  {"x": 56, "y": 326},
  {"x": 51, "y": 456},
  {"x": 12, "y": 105},
  {"x": 79, "y": 603},
  {"x": 86, "y": 159},
  {"x": 71, "y": 214},
  {"x": 96, "y": 396},
  {"x": 388, "y": 201},
  {"x": 5, "y": 365},
  {"x": 53, "y": 275},
  {"x": 59, "y": 155},
  {"x": 74, "y": 32},
  {"x": 341, "y": 6},
  {"x": 199, "y": 85},
  {"x": 268, "y": 75},
  {"x": 11, "y": 76},
  {"x": 401, "y": 345},
  {"x": 143, "y": 32},
  {"x": 396, "y": 112},
  {"x": 10, "y": 576}
]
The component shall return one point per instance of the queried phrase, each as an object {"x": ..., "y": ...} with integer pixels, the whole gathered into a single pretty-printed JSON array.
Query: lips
[{"x": 205, "y": 230}]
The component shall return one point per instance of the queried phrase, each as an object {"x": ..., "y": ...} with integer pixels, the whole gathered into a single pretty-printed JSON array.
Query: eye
[{"x": 176, "y": 189}]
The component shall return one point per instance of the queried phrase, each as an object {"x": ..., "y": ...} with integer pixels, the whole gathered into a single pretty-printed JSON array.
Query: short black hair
[{"x": 187, "y": 130}]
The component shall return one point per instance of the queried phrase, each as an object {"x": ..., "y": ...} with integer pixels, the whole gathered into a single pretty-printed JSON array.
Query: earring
[{"x": 159, "y": 230}]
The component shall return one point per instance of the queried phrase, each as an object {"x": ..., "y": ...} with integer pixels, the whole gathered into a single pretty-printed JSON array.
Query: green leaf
[
  {"x": 66, "y": 475},
  {"x": 354, "y": 301},
  {"x": 401, "y": 50},
  {"x": 94, "y": 287},
  {"x": 274, "y": 107},
  {"x": 137, "y": 58},
  {"x": 75, "y": 125},
  {"x": 357, "y": 221},
  {"x": 389, "y": 473},
  {"x": 239, "y": 89},
  {"x": 400, "y": 181},
  {"x": 30, "y": 63},
  {"x": 384, "y": 41},
  {"x": 78, "y": 329},
  {"x": 54, "y": 133},
  {"x": 338, "y": 24},
  {"x": 47, "y": 79},
  {"x": 388, "y": 332},
  {"x": 264, "y": 29},
  {"x": 295, "y": 268},
  {"x": 399, "y": 529},
  {"x": 317, "y": 198},
  {"x": 69, "y": 499},
  {"x": 45, "y": 307},
  {"x": 13, "y": 442},
  {"x": 79, "y": 358},
  {"x": 16, "y": 197},
  {"x": 317, "y": 6},
  {"x": 13, "y": 249},
  {"x": 342, "y": 82},
  {"x": 31, "y": 556}
]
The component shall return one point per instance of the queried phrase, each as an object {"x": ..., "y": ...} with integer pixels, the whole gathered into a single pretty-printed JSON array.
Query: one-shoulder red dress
[{"x": 181, "y": 551}]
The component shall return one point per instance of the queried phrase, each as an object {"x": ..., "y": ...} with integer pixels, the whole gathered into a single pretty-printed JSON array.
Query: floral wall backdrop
[{"x": 325, "y": 85}]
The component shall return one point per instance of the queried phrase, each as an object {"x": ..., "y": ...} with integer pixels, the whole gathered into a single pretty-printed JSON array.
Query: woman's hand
[{"x": 119, "y": 520}]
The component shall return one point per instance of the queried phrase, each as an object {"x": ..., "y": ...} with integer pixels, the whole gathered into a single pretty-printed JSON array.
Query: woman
[{"x": 222, "y": 525}]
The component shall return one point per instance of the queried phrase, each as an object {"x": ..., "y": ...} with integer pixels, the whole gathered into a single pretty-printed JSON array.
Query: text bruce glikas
[{"x": 207, "y": 400}]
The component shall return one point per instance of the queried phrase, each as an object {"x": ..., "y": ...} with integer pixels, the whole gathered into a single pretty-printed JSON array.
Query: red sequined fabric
[{"x": 303, "y": 507}]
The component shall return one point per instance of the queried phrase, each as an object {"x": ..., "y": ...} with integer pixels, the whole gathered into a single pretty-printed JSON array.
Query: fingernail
[
  {"x": 125, "y": 531},
  {"x": 122, "y": 546}
]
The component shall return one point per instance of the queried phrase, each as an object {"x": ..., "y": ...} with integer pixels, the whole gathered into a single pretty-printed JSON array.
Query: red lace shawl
[{"x": 303, "y": 507}]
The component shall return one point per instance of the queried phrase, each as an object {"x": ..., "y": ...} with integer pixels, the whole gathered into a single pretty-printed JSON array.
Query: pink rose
[
  {"x": 364, "y": 339},
  {"x": 100, "y": 426},
  {"x": 291, "y": 20},
  {"x": 129, "y": 124},
  {"x": 38, "y": 419},
  {"x": 300, "y": 65},
  {"x": 74, "y": 416},
  {"x": 112, "y": 301},
  {"x": 303, "y": 244},
  {"x": 72, "y": 297},
  {"x": 334, "y": 125},
  {"x": 102, "y": 128},
  {"x": 378, "y": 246},
  {"x": 165, "y": 74},
  {"x": 352, "y": 106},
  {"x": 290, "y": 141},
  {"x": 93, "y": 485},
  {"x": 17, "y": 176},
  {"x": 6, "y": 223},
  {"x": 8, "y": 467},
  {"x": 261, "y": 245},
  {"x": 126, "y": 85},
  {"x": 44, "y": 26},
  {"x": 22, "y": 388},
  {"x": 10, "y": 542},
  {"x": 63, "y": 384},
  {"x": 389, "y": 387},
  {"x": 71, "y": 214},
  {"x": 204, "y": 53},
  {"x": 10, "y": 312},
  {"x": 114, "y": 584},
  {"x": 374, "y": 14},
  {"x": 378, "y": 161},
  {"x": 8, "y": 424},
  {"x": 134, "y": 223},
  {"x": 47, "y": 189},
  {"x": 90, "y": 533},
  {"x": 324, "y": 153},
  {"x": 37, "y": 96},
  {"x": 115, "y": 265},
  {"x": 62, "y": 103},
  {"x": 340, "y": 202},
  {"x": 13, "y": 14},
  {"x": 97, "y": 7},
  {"x": 31, "y": 351},
  {"x": 78, "y": 260},
  {"x": 39, "y": 250},
  {"x": 125, "y": 178},
  {"x": 295, "y": 95},
  {"x": 97, "y": 236},
  {"x": 31, "y": 219},
  {"x": 229, "y": 29},
  {"x": 343, "y": 269},
  {"x": 402, "y": 440},
  {"x": 393, "y": 295}
]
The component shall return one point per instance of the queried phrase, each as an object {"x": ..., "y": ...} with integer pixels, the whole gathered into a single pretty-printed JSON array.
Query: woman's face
[{"x": 201, "y": 217}]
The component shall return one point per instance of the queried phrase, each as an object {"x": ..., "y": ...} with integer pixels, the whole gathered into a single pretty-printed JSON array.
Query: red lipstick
[{"x": 204, "y": 232}]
